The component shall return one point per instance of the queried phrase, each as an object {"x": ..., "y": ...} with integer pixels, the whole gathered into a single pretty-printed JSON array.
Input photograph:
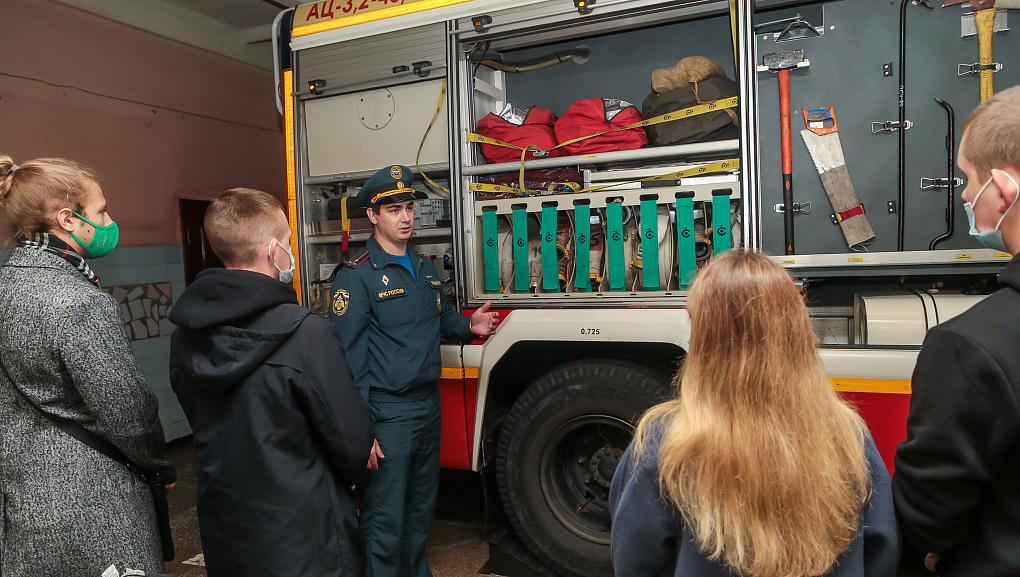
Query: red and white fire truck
[{"x": 588, "y": 250}]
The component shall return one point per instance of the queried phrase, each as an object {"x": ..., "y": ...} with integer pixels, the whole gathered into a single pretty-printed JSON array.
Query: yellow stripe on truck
[
  {"x": 288, "y": 132},
  {"x": 331, "y": 14},
  {"x": 841, "y": 384},
  {"x": 460, "y": 373},
  {"x": 854, "y": 385}
]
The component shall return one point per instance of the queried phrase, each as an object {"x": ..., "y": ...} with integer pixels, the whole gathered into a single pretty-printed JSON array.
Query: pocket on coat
[{"x": 394, "y": 305}]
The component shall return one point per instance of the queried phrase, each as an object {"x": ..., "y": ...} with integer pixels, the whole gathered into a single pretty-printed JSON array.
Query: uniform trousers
[{"x": 400, "y": 497}]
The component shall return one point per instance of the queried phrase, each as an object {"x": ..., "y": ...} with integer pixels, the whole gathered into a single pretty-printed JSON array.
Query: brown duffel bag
[{"x": 717, "y": 125}]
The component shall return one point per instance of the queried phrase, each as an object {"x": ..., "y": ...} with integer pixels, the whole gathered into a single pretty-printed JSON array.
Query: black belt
[{"x": 417, "y": 394}]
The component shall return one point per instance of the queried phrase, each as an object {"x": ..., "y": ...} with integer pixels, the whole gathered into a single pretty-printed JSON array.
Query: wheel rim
[{"x": 576, "y": 467}]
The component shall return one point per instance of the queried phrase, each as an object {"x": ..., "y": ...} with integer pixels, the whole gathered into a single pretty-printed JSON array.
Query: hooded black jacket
[
  {"x": 280, "y": 430},
  {"x": 957, "y": 479}
]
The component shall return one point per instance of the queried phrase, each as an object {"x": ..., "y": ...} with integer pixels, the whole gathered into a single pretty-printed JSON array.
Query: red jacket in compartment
[
  {"x": 595, "y": 115},
  {"x": 536, "y": 129}
]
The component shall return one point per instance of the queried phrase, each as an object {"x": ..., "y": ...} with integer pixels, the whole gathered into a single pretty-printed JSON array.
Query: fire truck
[{"x": 838, "y": 160}]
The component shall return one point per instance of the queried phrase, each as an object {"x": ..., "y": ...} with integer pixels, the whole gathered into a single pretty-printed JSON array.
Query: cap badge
[
  {"x": 385, "y": 280},
  {"x": 396, "y": 172}
]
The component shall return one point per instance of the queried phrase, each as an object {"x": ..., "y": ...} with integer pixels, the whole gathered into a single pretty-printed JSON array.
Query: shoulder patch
[
  {"x": 340, "y": 302},
  {"x": 358, "y": 259}
]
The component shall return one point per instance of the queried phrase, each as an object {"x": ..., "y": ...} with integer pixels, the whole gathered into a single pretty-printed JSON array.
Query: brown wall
[{"x": 199, "y": 123}]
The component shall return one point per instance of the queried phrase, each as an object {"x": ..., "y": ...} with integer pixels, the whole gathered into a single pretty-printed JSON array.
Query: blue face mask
[
  {"x": 286, "y": 276},
  {"x": 990, "y": 238}
]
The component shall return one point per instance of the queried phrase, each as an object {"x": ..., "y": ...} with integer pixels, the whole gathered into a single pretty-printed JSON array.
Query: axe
[{"x": 984, "y": 20}]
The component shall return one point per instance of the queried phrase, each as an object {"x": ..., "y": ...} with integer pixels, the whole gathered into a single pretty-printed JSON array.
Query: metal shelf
[
  {"x": 673, "y": 298},
  {"x": 717, "y": 148},
  {"x": 894, "y": 263},
  {"x": 366, "y": 174},
  {"x": 363, "y": 236}
]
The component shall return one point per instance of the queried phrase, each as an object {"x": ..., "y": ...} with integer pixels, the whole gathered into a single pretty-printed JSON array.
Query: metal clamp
[
  {"x": 422, "y": 68},
  {"x": 804, "y": 207},
  {"x": 965, "y": 69},
  {"x": 481, "y": 23},
  {"x": 890, "y": 126},
  {"x": 929, "y": 183},
  {"x": 797, "y": 27}
]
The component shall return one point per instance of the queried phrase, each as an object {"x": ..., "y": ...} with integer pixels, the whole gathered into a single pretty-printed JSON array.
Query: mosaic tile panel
[{"x": 145, "y": 308}]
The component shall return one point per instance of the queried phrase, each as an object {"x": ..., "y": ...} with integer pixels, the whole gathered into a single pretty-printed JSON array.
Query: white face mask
[
  {"x": 286, "y": 276},
  {"x": 990, "y": 238}
]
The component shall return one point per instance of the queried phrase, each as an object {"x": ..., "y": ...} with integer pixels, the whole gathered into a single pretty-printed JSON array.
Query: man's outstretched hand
[{"x": 483, "y": 322}]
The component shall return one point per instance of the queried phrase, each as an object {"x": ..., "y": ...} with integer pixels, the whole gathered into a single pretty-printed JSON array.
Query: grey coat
[{"x": 67, "y": 509}]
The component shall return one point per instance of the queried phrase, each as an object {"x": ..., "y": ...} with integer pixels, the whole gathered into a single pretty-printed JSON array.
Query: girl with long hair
[{"x": 756, "y": 467}]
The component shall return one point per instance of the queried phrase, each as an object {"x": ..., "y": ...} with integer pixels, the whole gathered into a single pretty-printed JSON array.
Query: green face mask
[{"x": 103, "y": 241}]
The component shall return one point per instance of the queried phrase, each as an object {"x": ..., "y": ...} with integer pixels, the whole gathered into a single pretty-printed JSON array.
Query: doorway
[{"x": 198, "y": 253}]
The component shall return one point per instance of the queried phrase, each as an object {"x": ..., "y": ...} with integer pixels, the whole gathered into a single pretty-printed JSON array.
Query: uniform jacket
[
  {"x": 957, "y": 479},
  {"x": 281, "y": 432},
  {"x": 391, "y": 323},
  {"x": 648, "y": 536},
  {"x": 66, "y": 509}
]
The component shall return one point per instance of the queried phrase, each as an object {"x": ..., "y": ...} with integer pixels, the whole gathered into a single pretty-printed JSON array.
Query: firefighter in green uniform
[{"x": 389, "y": 307}]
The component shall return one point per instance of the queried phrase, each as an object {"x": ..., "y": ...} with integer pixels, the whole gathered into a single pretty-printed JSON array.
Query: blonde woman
[
  {"x": 70, "y": 387},
  {"x": 756, "y": 468}
]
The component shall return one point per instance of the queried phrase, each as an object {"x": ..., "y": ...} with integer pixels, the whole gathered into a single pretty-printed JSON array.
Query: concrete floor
[{"x": 458, "y": 546}]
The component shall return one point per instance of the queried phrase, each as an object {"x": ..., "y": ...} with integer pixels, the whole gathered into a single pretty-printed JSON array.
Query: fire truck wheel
[{"x": 560, "y": 445}]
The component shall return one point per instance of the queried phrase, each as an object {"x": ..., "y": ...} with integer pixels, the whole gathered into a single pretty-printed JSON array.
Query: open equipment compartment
[
  {"x": 662, "y": 33},
  {"x": 852, "y": 66},
  {"x": 378, "y": 98},
  {"x": 851, "y": 50}
]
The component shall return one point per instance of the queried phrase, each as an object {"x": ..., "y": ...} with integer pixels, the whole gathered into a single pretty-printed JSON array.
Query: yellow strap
[
  {"x": 720, "y": 104},
  {"x": 733, "y": 33},
  {"x": 417, "y": 158},
  {"x": 345, "y": 224},
  {"x": 730, "y": 164},
  {"x": 524, "y": 151}
]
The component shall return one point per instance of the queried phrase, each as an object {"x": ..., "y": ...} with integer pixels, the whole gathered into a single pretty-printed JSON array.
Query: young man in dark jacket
[
  {"x": 957, "y": 479},
  {"x": 281, "y": 432}
]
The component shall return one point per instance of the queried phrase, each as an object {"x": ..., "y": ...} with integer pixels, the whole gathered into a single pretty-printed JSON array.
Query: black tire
[{"x": 558, "y": 449}]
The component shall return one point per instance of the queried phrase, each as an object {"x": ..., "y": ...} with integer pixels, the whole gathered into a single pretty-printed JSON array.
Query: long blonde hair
[{"x": 765, "y": 463}]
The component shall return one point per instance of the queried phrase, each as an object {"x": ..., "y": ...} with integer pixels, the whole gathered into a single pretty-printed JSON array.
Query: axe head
[
  {"x": 783, "y": 60},
  {"x": 975, "y": 4}
]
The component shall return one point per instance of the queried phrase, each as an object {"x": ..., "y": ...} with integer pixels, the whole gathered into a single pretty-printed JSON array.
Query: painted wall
[{"x": 157, "y": 119}]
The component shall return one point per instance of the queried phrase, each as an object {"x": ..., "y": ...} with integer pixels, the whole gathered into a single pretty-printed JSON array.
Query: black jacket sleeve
[
  {"x": 958, "y": 434},
  {"x": 334, "y": 407}
]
